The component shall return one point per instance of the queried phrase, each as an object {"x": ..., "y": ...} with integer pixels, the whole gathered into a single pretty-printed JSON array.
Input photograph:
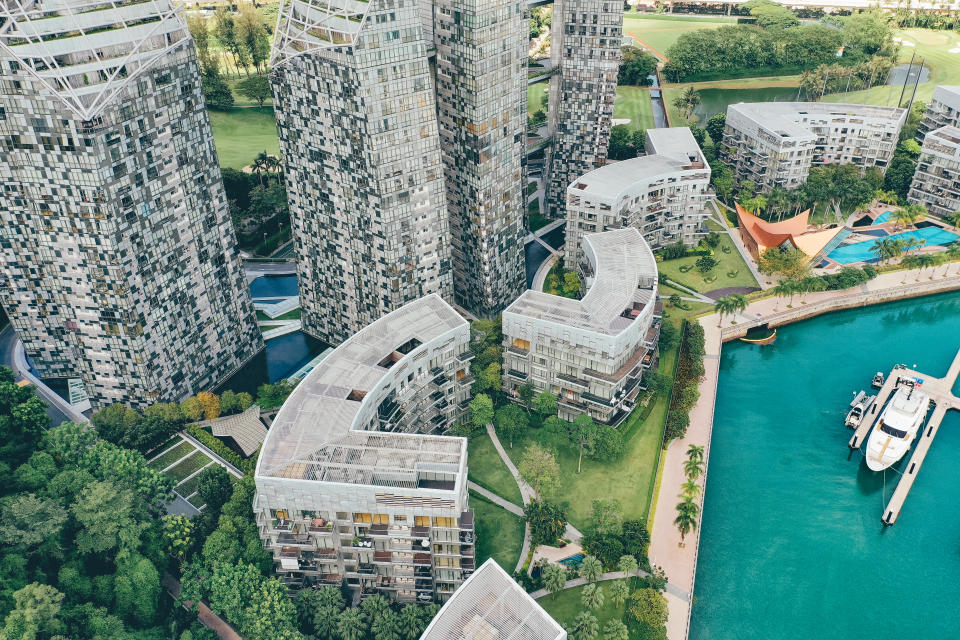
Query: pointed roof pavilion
[{"x": 759, "y": 235}]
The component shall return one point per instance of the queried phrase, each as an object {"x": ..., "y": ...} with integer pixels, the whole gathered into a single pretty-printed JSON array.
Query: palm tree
[
  {"x": 615, "y": 630},
  {"x": 953, "y": 219},
  {"x": 687, "y": 101},
  {"x": 722, "y": 306},
  {"x": 585, "y": 627},
  {"x": 738, "y": 302},
  {"x": 619, "y": 592},
  {"x": 793, "y": 288},
  {"x": 781, "y": 290},
  {"x": 922, "y": 261},
  {"x": 886, "y": 249},
  {"x": 260, "y": 164},
  {"x": 351, "y": 625},
  {"x": 686, "y": 520},
  {"x": 952, "y": 254},
  {"x": 590, "y": 569},
  {"x": 628, "y": 565},
  {"x": 690, "y": 489},
  {"x": 554, "y": 578},
  {"x": 592, "y": 597},
  {"x": 692, "y": 469},
  {"x": 907, "y": 215},
  {"x": 695, "y": 452}
]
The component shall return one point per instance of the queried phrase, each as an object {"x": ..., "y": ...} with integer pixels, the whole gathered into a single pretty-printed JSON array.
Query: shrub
[{"x": 245, "y": 465}]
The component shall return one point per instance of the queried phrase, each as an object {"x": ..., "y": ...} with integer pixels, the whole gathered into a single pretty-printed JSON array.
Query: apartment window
[
  {"x": 398, "y": 519},
  {"x": 381, "y": 518},
  {"x": 421, "y": 521},
  {"x": 279, "y": 513},
  {"x": 444, "y": 522},
  {"x": 362, "y": 517}
]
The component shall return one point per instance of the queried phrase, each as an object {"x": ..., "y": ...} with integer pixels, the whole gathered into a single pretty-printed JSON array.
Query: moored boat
[
  {"x": 877, "y": 380},
  {"x": 898, "y": 425}
]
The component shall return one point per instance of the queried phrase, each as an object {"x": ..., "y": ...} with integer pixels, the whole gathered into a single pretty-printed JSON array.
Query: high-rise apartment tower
[{"x": 118, "y": 259}]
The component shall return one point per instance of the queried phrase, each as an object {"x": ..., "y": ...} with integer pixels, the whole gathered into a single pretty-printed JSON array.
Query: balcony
[
  {"x": 597, "y": 400},
  {"x": 422, "y": 559},
  {"x": 282, "y": 524},
  {"x": 577, "y": 382},
  {"x": 519, "y": 375},
  {"x": 382, "y": 556},
  {"x": 421, "y": 532},
  {"x": 517, "y": 351},
  {"x": 466, "y": 521},
  {"x": 294, "y": 538},
  {"x": 465, "y": 356},
  {"x": 331, "y": 578},
  {"x": 379, "y": 530}
]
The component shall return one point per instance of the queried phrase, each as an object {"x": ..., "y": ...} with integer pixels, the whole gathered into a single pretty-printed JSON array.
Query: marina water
[{"x": 792, "y": 545}]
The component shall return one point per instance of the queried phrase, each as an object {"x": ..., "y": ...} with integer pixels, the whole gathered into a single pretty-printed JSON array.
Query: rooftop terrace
[
  {"x": 624, "y": 282},
  {"x": 318, "y": 433}
]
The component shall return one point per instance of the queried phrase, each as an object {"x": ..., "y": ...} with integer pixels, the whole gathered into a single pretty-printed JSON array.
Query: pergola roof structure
[
  {"x": 86, "y": 52},
  {"x": 304, "y": 26}
]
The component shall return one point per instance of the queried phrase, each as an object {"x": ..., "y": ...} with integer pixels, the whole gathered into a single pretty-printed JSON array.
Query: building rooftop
[
  {"x": 675, "y": 142},
  {"x": 786, "y": 118},
  {"x": 86, "y": 52},
  {"x": 947, "y": 94},
  {"x": 491, "y": 606},
  {"x": 625, "y": 276},
  {"x": 246, "y": 429},
  {"x": 313, "y": 25},
  {"x": 948, "y": 135},
  {"x": 317, "y": 434}
]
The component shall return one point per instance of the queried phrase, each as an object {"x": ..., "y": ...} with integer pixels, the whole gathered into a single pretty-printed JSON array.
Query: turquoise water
[
  {"x": 883, "y": 217},
  {"x": 862, "y": 251},
  {"x": 792, "y": 546}
]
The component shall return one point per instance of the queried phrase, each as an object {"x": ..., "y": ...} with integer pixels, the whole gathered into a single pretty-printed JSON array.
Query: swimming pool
[
  {"x": 863, "y": 252},
  {"x": 883, "y": 217},
  {"x": 573, "y": 561}
]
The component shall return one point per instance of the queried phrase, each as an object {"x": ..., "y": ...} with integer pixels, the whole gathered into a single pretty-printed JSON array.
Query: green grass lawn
[
  {"x": 665, "y": 290},
  {"x": 499, "y": 533},
  {"x": 171, "y": 456},
  {"x": 731, "y": 272},
  {"x": 241, "y": 134},
  {"x": 660, "y": 32},
  {"x": 634, "y": 103},
  {"x": 289, "y": 315},
  {"x": 241, "y": 101},
  {"x": 628, "y": 480},
  {"x": 488, "y": 470},
  {"x": 564, "y": 606},
  {"x": 934, "y": 47},
  {"x": 535, "y": 95},
  {"x": 188, "y": 465},
  {"x": 536, "y": 220}
]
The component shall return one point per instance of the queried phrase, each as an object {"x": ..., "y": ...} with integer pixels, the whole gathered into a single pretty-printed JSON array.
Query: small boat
[
  {"x": 897, "y": 426},
  {"x": 858, "y": 409},
  {"x": 877, "y": 380},
  {"x": 762, "y": 340}
]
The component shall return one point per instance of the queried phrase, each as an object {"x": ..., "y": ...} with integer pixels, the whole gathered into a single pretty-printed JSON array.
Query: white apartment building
[
  {"x": 118, "y": 258},
  {"x": 590, "y": 352},
  {"x": 663, "y": 194},
  {"x": 355, "y": 484},
  {"x": 943, "y": 110},
  {"x": 586, "y": 36},
  {"x": 354, "y": 100},
  {"x": 936, "y": 182},
  {"x": 776, "y": 143},
  {"x": 489, "y": 606}
]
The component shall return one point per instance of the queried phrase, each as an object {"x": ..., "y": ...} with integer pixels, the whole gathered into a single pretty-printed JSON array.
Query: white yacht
[{"x": 894, "y": 432}]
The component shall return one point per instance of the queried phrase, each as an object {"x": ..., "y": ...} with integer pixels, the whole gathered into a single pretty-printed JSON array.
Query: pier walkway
[{"x": 940, "y": 391}]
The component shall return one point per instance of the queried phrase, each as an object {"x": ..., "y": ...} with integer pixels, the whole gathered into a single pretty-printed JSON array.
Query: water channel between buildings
[{"x": 792, "y": 545}]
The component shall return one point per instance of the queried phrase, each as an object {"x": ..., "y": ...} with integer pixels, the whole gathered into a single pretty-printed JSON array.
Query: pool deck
[{"x": 680, "y": 563}]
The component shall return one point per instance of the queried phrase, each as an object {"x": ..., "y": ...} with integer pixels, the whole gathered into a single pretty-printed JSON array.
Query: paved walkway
[
  {"x": 671, "y": 589},
  {"x": 289, "y": 326},
  {"x": 526, "y": 494},
  {"x": 496, "y": 499},
  {"x": 540, "y": 277},
  {"x": 699, "y": 296},
  {"x": 680, "y": 563}
]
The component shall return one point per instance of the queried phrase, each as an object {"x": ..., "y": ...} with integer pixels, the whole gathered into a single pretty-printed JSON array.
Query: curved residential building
[
  {"x": 663, "y": 194},
  {"x": 355, "y": 485},
  {"x": 354, "y": 100},
  {"x": 776, "y": 143},
  {"x": 590, "y": 352},
  {"x": 118, "y": 258}
]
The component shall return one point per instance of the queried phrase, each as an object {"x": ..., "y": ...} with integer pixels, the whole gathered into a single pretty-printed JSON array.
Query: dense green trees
[
  {"x": 636, "y": 65},
  {"x": 23, "y": 417},
  {"x": 610, "y": 538},
  {"x": 902, "y": 167},
  {"x": 626, "y": 144},
  {"x": 777, "y": 43}
]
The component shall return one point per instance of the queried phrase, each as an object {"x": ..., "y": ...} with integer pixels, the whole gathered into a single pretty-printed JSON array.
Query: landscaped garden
[
  {"x": 633, "y": 103},
  {"x": 536, "y": 93},
  {"x": 726, "y": 270},
  {"x": 241, "y": 133},
  {"x": 488, "y": 470},
  {"x": 499, "y": 533}
]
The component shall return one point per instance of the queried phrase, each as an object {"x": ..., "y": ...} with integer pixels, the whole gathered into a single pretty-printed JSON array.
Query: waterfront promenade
[{"x": 680, "y": 563}]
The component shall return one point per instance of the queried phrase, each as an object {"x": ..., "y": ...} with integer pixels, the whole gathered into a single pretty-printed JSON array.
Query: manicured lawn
[
  {"x": 660, "y": 32},
  {"x": 171, "y": 456},
  {"x": 633, "y": 103},
  {"x": 499, "y": 533},
  {"x": 187, "y": 466},
  {"x": 488, "y": 470},
  {"x": 241, "y": 101},
  {"x": 666, "y": 290},
  {"x": 536, "y": 220},
  {"x": 731, "y": 272},
  {"x": 241, "y": 134},
  {"x": 934, "y": 47},
  {"x": 628, "y": 480},
  {"x": 535, "y": 95},
  {"x": 289, "y": 315},
  {"x": 565, "y": 606}
]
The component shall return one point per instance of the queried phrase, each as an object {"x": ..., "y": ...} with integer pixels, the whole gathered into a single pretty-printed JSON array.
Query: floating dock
[{"x": 940, "y": 391}]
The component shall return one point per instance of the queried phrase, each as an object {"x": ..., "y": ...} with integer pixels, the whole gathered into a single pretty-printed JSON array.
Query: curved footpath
[{"x": 680, "y": 563}]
